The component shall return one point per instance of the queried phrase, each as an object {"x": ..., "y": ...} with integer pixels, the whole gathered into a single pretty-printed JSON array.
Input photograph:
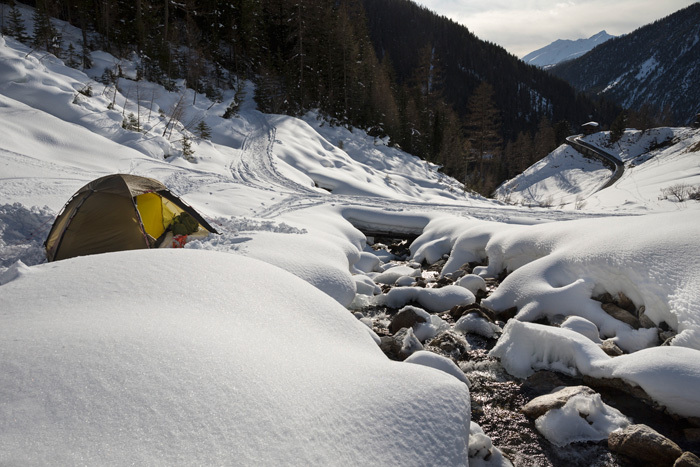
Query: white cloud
[{"x": 528, "y": 25}]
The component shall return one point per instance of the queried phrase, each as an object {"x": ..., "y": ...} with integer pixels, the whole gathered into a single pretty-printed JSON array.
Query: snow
[
  {"x": 133, "y": 368},
  {"x": 437, "y": 362},
  {"x": 562, "y": 50},
  {"x": 240, "y": 347},
  {"x": 433, "y": 299},
  {"x": 582, "y": 418}
]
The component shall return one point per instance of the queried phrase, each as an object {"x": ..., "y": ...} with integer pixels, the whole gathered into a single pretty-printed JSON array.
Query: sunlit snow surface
[
  {"x": 207, "y": 358},
  {"x": 239, "y": 347}
]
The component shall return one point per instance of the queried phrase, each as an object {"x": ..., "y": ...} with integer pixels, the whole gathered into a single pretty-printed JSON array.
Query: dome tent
[{"x": 114, "y": 213}]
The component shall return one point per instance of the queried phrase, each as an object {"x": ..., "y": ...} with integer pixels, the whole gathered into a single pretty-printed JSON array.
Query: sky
[{"x": 527, "y": 25}]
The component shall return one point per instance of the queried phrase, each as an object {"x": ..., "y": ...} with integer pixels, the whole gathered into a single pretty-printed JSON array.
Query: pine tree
[
  {"x": 483, "y": 129},
  {"x": 187, "y": 151},
  {"x": 16, "y": 28},
  {"x": 202, "y": 130},
  {"x": 617, "y": 129},
  {"x": 45, "y": 35}
]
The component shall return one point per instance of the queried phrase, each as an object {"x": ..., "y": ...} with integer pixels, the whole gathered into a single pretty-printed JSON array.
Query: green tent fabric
[{"x": 104, "y": 216}]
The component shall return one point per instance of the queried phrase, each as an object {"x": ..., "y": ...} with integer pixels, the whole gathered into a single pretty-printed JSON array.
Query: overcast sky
[{"x": 523, "y": 26}]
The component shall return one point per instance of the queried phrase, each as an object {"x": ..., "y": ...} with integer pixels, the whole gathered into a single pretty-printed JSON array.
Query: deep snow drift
[{"x": 236, "y": 360}]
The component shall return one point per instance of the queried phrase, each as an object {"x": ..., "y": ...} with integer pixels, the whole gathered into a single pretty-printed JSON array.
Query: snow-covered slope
[
  {"x": 657, "y": 163},
  {"x": 562, "y": 50}
]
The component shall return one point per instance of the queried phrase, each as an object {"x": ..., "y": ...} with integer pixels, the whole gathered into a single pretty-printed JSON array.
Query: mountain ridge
[
  {"x": 656, "y": 67},
  {"x": 562, "y": 50}
]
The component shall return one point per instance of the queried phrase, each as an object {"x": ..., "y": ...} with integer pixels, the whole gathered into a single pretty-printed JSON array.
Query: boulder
[
  {"x": 405, "y": 318},
  {"x": 621, "y": 314},
  {"x": 554, "y": 400},
  {"x": 642, "y": 443},
  {"x": 687, "y": 459}
]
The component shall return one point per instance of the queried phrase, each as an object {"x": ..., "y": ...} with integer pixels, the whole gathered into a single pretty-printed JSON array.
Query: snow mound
[{"x": 107, "y": 359}]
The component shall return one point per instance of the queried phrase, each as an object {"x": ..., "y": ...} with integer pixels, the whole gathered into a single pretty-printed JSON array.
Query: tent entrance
[{"x": 156, "y": 213}]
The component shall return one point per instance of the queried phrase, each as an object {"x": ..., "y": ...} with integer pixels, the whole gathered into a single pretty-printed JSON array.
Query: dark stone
[
  {"x": 625, "y": 303},
  {"x": 451, "y": 343},
  {"x": 620, "y": 314},
  {"x": 644, "y": 444},
  {"x": 604, "y": 298},
  {"x": 405, "y": 318},
  {"x": 644, "y": 320},
  {"x": 666, "y": 337},
  {"x": 443, "y": 281},
  {"x": 610, "y": 348},
  {"x": 554, "y": 400},
  {"x": 687, "y": 459},
  {"x": 507, "y": 314},
  {"x": 619, "y": 385}
]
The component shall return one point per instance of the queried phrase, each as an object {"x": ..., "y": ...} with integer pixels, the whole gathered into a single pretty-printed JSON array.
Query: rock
[
  {"x": 621, "y": 314},
  {"x": 409, "y": 344},
  {"x": 611, "y": 348},
  {"x": 505, "y": 315},
  {"x": 451, "y": 343},
  {"x": 642, "y": 443},
  {"x": 666, "y": 337},
  {"x": 604, "y": 298},
  {"x": 620, "y": 385},
  {"x": 644, "y": 320},
  {"x": 625, "y": 303},
  {"x": 390, "y": 346},
  {"x": 443, "y": 281},
  {"x": 554, "y": 400},
  {"x": 405, "y": 318},
  {"x": 687, "y": 459}
]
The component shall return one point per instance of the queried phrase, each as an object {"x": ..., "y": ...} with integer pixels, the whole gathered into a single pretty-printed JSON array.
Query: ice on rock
[{"x": 582, "y": 418}]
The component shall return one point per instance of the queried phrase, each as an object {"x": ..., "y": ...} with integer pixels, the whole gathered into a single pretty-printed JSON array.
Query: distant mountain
[
  {"x": 658, "y": 65},
  {"x": 562, "y": 50}
]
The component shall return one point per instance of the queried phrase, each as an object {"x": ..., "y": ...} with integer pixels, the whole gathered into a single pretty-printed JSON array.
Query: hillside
[
  {"x": 401, "y": 31},
  {"x": 657, "y": 65},
  {"x": 660, "y": 174},
  {"x": 563, "y": 50}
]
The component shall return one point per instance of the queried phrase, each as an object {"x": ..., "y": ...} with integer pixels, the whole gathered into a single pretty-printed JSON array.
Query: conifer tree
[
  {"x": 45, "y": 35},
  {"x": 483, "y": 129},
  {"x": 617, "y": 129},
  {"x": 16, "y": 27}
]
